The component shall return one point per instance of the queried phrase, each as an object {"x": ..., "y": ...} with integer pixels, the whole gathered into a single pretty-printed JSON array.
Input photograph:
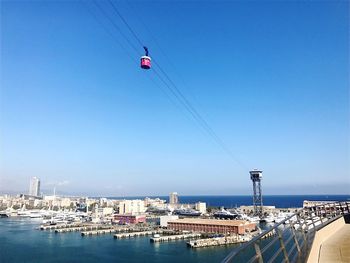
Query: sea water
[{"x": 21, "y": 241}]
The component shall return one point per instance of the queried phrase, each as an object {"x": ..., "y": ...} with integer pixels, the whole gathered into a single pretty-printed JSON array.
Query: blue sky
[{"x": 270, "y": 77}]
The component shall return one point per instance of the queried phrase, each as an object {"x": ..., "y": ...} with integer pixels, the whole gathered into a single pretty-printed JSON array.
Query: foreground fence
[{"x": 292, "y": 238}]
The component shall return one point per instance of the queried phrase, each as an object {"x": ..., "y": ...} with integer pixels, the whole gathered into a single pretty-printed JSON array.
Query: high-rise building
[
  {"x": 173, "y": 198},
  {"x": 34, "y": 186}
]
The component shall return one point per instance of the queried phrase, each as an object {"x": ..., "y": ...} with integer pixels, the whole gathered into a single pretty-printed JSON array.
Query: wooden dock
[{"x": 174, "y": 237}]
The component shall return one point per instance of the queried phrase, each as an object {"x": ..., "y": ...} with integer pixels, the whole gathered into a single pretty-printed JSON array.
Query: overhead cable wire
[
  {"x": 169, "y": 61},
  {"x": 157, "y": 43},
  {"x": 126, "y": 50},
  {"x": 116, "y": 26},
  {"x": 174, "y": 89},
  {"x": 126, "y": 23},
  {"x": 202, "y": 122}
]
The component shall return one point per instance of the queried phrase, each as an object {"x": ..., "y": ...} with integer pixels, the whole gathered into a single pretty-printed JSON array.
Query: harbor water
[{"x": 20, "y": 241}]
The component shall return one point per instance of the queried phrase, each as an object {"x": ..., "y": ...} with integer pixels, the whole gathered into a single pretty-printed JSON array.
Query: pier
[
  {"x": 72, "y": 229},
  {"x": 59, "y": 226},
  {"x": 174, "y": 237},
  {"x": 87, "y": 228},
  {"x": 137, "y": 234},
  {"x": 218, "y": 241},
  {"x": 111, "y": 230},
  {"x": 104, "y": 231}
]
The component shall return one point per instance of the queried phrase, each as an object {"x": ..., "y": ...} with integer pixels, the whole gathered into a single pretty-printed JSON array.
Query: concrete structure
[
  {"x": 34, "y": 186},
  {"x": 174, "y": 237},
  {"x": 212, "y": 226},
  {"x": 173, "y": 198},
  {"x": 256, "y": 177},
  {"x": 218, "y": 241},
  {"x": 201, "y": 207},
  {"x": 331, "y": 243},
  {"x": 131, "y": 207},
  {"x": 163, "y": 220}
]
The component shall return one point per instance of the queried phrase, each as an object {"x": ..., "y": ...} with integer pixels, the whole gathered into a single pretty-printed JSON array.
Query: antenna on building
[{"x": 256, "y": 177}]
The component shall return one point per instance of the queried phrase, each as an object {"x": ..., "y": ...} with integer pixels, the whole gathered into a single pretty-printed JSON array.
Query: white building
[
  {"x": 201, "y": 207},
  {"x": 165, "y": 219},
  {"x": 133, "y": 207},
  {"x": 34, "y": 186},
  {"x": 173, "y": 198},
  {"x": 156, "y": 202}
]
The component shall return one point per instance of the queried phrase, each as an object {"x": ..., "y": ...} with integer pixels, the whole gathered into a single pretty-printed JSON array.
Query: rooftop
[{"x": 216, "y": 222}]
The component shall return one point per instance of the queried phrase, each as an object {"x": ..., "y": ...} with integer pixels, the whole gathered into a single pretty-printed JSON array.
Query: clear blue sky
[{"x": 270, "y": 77}]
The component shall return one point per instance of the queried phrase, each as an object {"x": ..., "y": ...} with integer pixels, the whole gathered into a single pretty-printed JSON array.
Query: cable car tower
[{"x": 256, "y": 177}]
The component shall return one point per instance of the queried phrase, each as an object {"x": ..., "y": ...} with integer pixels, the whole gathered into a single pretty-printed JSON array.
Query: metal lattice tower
[{"x": 256, "y": 177}]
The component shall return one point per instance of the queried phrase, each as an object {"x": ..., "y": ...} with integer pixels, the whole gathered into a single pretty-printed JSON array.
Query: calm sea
[
  {"x": 229, "y": 201},
  {"x": 20, "y": 241}
]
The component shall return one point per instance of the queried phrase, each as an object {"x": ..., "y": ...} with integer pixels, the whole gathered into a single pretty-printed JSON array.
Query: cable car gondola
[{"x": 146, "y": 60}]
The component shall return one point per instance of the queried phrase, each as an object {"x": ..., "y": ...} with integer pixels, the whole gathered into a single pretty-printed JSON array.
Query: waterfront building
[
  {"x": 155, "y": 202},
  {"x": 212, "y": 226},
  {"x": 173, "y": 198},
  {"x": 129, "y": 219},
  {"x": 106, "y": 211},
  {"x": 201, "y": 207},
  {"x": 103, "y": 211},
  {"x": 133, "y": 207},
  {"x": 163, "y": 220},
  {"x": 34, "y": 186}
]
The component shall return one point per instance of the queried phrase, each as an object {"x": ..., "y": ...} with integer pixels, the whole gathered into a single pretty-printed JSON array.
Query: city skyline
[{"x": 270, "y": 79}]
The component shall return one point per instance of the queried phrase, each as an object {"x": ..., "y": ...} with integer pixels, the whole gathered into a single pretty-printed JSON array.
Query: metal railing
[{"x": 291, "y": 239}]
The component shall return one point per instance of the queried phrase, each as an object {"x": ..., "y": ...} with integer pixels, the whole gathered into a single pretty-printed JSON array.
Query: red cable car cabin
[{"x": 145, "y": 62}]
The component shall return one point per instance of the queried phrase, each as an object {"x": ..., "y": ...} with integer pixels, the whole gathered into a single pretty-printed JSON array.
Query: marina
[
  {"x": 15, "y": 232},
  {"x": 196, "y": 233}
]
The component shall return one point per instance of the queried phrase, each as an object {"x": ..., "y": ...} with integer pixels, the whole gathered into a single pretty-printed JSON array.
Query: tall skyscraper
[
  {"x": 173, "y": 198},
  {"x": 34, "y": 186}
]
